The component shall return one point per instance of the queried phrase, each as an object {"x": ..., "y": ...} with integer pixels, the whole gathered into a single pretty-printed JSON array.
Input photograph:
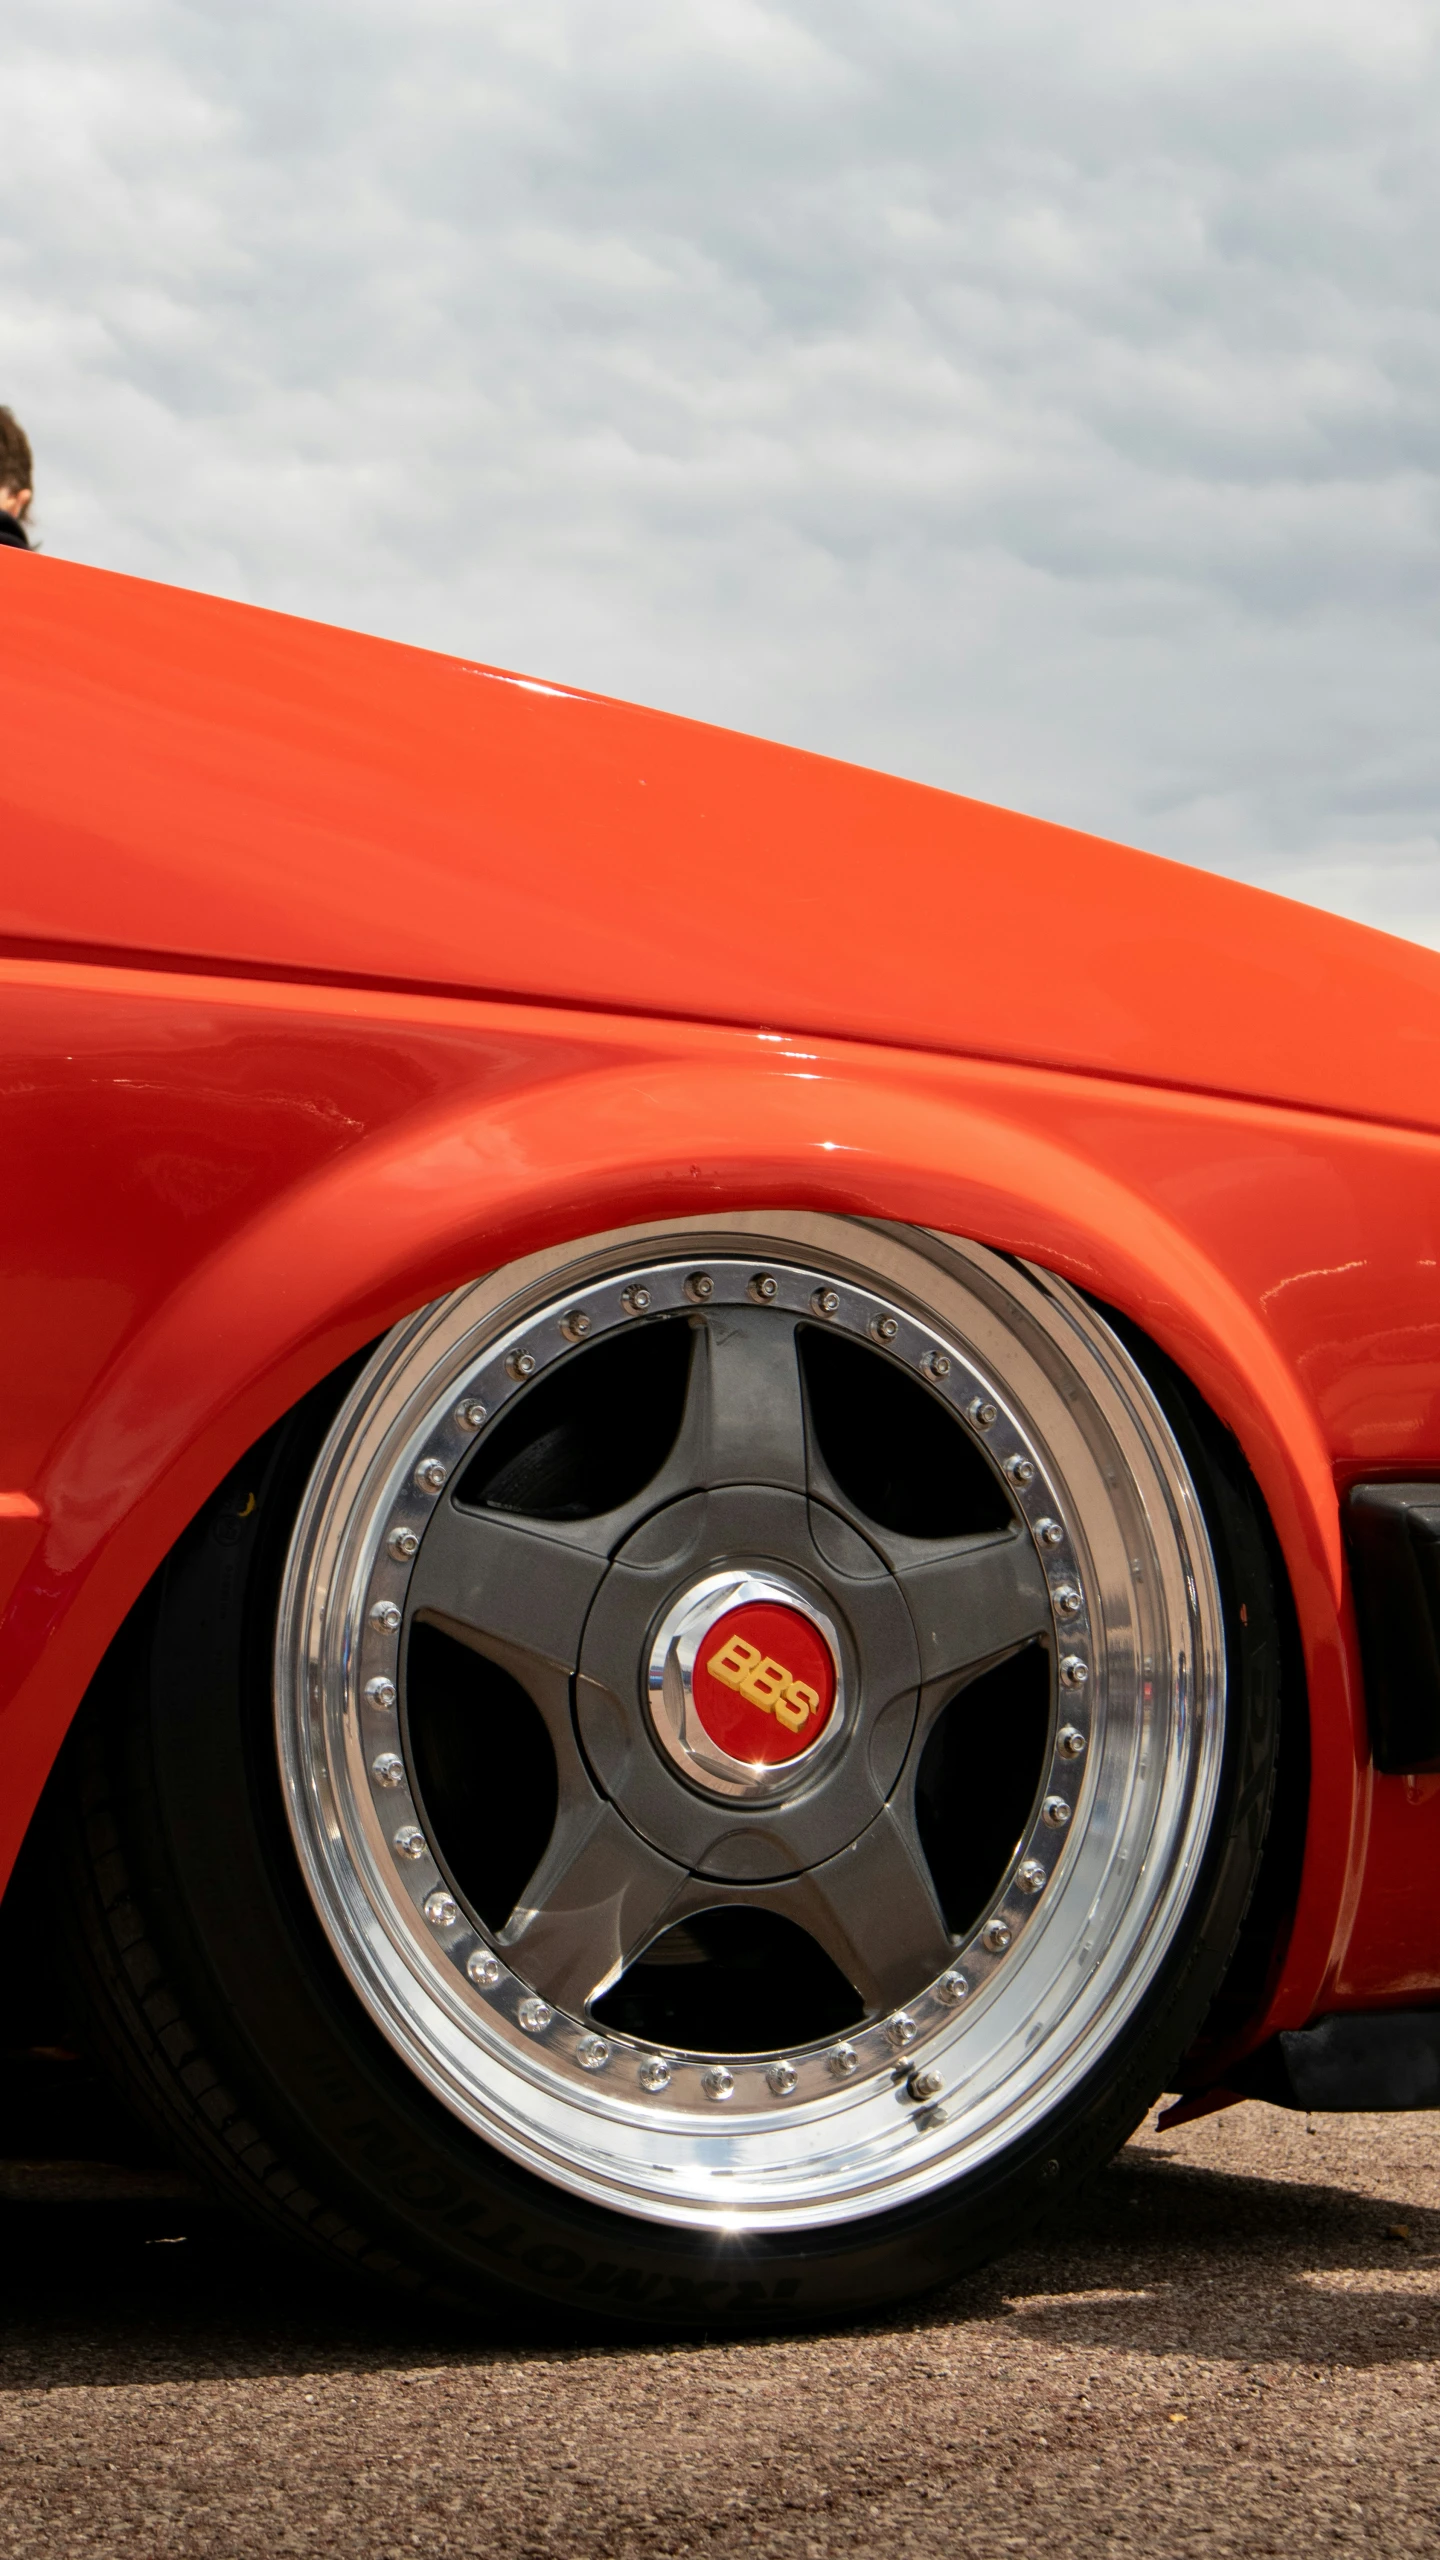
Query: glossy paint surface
[
  {"x": 227, "y": 1183},
  {"x": 202, "y": 781}
]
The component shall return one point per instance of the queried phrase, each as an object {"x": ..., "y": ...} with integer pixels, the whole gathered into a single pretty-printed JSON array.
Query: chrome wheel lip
[
  {"x": 831, "y": 2133},
  {"x": 676, "y": 1722}
]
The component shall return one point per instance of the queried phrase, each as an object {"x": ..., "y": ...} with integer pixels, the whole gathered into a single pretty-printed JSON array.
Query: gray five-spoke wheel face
[{"x": 751, "y": 1697}]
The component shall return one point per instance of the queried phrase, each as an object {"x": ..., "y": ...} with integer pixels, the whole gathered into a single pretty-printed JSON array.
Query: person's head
[{"x": 17, "y": 470}]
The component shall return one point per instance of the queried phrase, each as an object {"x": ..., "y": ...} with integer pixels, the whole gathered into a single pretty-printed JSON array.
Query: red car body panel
[{"x": 336, "y": 972}]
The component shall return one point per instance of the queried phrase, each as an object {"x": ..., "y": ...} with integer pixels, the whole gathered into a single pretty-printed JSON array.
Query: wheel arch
[{"x": 331, "y": 1260}]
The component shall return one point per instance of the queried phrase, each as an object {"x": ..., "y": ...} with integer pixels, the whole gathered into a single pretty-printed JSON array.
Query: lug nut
[
  {"x": 441, "y": 1910},
  {"x": 1071, "y": 1743},
  {"x": 534, "y": 2016},
  {"x": 483, "y": 1969},
  {"x": 782, "y": 2079}
]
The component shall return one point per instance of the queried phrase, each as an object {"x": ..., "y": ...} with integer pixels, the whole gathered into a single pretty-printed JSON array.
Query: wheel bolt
[
  {"x": 534, "y": 2016},
  {"x": 700, "y": 1287},
  {"x": 782, "y": 2079},
  {"x": 441, "y": 1910},
  {"x": 1049, "y": 1532},
  {"x": 380, "y": 1691},
  {"x": 575, "y": 1325},
  {"x": 825, "y": 1302},
  {"x": 1056, "y": 1812},
  {"x": 764, "y": 1288},
  {"x": 1020, "y": 1470},
  {"x": 521, "y": 1364},
  {"x": 922, "y": 2085},
  {"x": 1030, "y": 1876},
  {"x": 635, "y": 1300},
  {"x": 996, "y": 1936},
  {"x": 1071, "y": 1743},
  {"x": 901, "y": 2030},
  {"x": 386, "y": 1615},
  {"x": 483, "y": 1969},
  {"x": 388, "y": 1770},
  {"x": 1067, "y": 1600},
  {"x": 409, "y": 1843},
  {"x": 1074, "y": 1672},
  {"x": 980, "y": 1412},
  {"x": 592, "y": 2053},
  {"x": 842, "y": 2061},
  {"x": 719, "y": 2083},
  {"x": 402, "y": 1544},
  {"x": 470, "y": 1414},
  {"x": 885, "y": 1328},
  {"x": 430, "y": 1475},
  {"x": 654, "y": 2074},
  {"x": 952, "y": 1988}
]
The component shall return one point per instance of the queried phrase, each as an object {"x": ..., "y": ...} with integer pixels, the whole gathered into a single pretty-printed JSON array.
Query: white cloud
[{"x": 1039, "y": 399}]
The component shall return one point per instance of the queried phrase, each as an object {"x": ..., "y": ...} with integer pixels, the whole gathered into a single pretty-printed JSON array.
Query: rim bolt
[
  {"x": 981, "y": 1412},
  {"x": 924, "y": 2084},
  {"x": 1074, "y": 1672},
  {"x": 938, "y": 1364},
  {"x": 718, "y": 2084},
  {"x": 534, "y": 2016},
  {"x": 782, "y": 2079},
  {"x": 996, "y": 1936},
  {"x": 380, "y": 1691},
  {"x": 441, "y": 1910},
  {"x": 388, "y": 1770},
  {"x": 483, "y": 1969},
  {"x": 1067, "y": 1600},
  {"x": 635, "y": 1300},
  {"x": 386, "y": 1615},
  {"x": 1056, "y": 1812},
  {"x": 764, "y": 1288},
  {"x": 825, "y": 1302},
  {"x": 1071, "y": 1743},
  {"x": 1020, "y": 1470},
  {"x": 409, "y": 1842},
  {"x": 885, "y": 1328},
  {"x": 470, "y": 1414},
  {"x": 575, "y": 1325},
  {"x": 700, "y": 1287},
  {"x": 901, "y": 2029},
  {"x": 654, "y": 2074},
  {"x": 1049, "y": 1532},
  {"x": 1030, "y": 1876},
  {"x": 430, "y": 1475},
  {"x": 521, "y": 1364},
  {"x": 951, "y": 1989},
  {"x": 402, "y": 1544},
  {"x": 842, "y": 2061},
  {"x": 592, "y": 2053}
]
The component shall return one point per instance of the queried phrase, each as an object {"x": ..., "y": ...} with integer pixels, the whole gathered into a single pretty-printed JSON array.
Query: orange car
[{"x": 690, "y": 1444}]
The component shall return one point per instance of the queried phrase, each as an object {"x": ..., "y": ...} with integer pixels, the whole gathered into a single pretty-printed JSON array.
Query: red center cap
[{"x": 763, "y": 1682}]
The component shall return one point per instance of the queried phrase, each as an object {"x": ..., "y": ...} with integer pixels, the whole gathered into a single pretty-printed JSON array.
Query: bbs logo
[{"x": 764, "y": 1682}]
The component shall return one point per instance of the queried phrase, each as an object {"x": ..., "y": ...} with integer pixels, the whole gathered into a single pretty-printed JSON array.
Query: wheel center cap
[{"x": 745, "y": 1685}]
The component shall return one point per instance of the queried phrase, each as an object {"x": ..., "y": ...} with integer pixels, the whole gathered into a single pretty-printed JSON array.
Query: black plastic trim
[
  {"x": 1393, "y": 1535},
  {"x": 1363, "y": 2062}
]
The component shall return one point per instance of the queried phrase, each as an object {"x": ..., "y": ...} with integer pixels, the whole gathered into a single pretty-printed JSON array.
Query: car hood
[{"x": 191, "y": 782}]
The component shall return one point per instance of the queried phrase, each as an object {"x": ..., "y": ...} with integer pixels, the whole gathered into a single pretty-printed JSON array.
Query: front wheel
[{"x": 712, "y": 1781}]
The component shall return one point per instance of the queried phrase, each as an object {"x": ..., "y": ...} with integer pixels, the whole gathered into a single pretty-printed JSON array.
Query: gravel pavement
[{"x": 1232, "y": 2348}]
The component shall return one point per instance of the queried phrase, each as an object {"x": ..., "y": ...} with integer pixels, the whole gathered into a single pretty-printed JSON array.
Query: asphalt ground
[{"x": 1232, "y": 2347}]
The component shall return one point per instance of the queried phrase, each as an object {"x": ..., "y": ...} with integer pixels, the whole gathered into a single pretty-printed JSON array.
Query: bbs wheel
[{"x": 718, "y": 1790}]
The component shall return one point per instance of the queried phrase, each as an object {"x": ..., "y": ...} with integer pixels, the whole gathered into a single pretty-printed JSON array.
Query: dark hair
[{"x": 17, "y": 468}]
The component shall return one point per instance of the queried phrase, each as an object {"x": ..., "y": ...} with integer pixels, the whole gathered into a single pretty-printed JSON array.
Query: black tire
[{"x": 211, "y": 1994}]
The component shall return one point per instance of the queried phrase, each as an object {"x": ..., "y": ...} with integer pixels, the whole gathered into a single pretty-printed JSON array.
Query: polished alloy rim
[{"x": 947, "y": 1470}]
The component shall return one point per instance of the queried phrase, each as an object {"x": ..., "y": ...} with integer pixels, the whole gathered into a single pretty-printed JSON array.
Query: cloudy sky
[{"x": 1036, "y": 397}]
